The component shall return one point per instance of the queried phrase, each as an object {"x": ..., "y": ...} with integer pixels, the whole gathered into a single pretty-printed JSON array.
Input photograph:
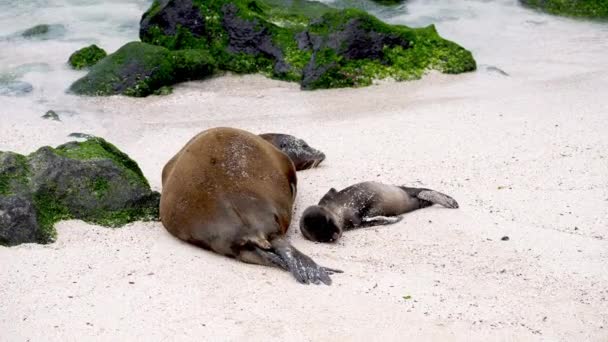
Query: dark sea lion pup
[
  {"x": 232, "y": 192},
  {"x": 364, "y": 205},
  {"x": 301, "y": 154}
]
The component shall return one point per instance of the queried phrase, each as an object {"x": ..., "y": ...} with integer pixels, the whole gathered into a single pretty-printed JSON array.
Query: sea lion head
[
  {"x": 301, "y": 154},
  {"x": 319, "y": 224}
]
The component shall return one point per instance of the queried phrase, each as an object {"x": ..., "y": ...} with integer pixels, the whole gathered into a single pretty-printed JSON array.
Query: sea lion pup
[
  {"x": 232, "y": 192},
  {"x": 364, "y": 205},
  {"x": 301, "y": 154}
]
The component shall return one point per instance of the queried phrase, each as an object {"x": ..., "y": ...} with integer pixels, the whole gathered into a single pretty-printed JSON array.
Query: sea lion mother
[{"x": 232, "y": 192}]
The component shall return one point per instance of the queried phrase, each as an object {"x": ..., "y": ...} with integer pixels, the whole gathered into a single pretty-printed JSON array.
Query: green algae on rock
[
  {"x": 91, "y": 180},
  {"x": 297, "y": 40},
  {"x": 353, "y": 48},
  {"x": 140, "y": 69},
  {"x": 302, "y": 41},
  {"x": 592, "y": 9},
  {"x": 86, "y": 57}
]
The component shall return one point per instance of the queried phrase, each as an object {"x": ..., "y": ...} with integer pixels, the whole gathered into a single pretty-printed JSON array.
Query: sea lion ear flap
[{"x": 329, "y": 195}]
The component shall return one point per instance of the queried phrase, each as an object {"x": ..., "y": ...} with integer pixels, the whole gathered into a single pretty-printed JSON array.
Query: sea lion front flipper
[
  {"x": 438, "y": 198},
  {"x": 302, "y": 267},
  {"x": 378, "y": 221}
]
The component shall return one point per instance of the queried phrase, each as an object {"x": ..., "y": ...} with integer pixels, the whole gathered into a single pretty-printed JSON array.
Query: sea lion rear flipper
[
  {"x": 378, "y": 221},
  {"x": 263, "y": 257},
  {"x": 302, "y": 267},
  {"x": 438, "y": 198},
  {"x": 431, "y": 197}
]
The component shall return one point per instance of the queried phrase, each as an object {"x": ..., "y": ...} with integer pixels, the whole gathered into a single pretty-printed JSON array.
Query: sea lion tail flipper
[
  {"x": 379, "y": 221},
  {"x": 438, "y": 198},
  {"x": 431, "y": 197},
  {"x": 302, "y": 267}
]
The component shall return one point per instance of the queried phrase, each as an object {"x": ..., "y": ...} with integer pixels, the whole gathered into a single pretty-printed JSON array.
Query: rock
[
  {"x": 44, "y": 31},
  {"x": 18, "y": 221},
  {"x": 389, "y": 2},
  {"x": 15, "y": 88},
  {"x": 352, "y": 48},
  {"x": 293, "y": 40},
  {"x": 36, "y": 30},
  {"x": 249, "y": 37},
  {"x": 171, "y": 18},
  {"x": 505, "y": 238},
  {"x": 139, "y": 69},
  {"x": 51, "y": 115},
  {"x": 86, "y": 57},
  {"x": 592, "y": 9},
  {"x": 91, "y": 180}
]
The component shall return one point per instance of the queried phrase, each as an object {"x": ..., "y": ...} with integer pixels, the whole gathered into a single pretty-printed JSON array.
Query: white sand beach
[{"x": 525, "y": 155}]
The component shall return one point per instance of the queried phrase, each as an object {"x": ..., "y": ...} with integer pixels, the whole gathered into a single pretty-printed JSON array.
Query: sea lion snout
[
  {"x": 319, "y": 224},
  {"x": 310, "y": 153}
]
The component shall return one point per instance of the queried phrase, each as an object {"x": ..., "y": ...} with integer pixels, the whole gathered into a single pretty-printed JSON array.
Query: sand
[
  {"x": 525, "y": 155},
  {"x": 520, "y": 166}
]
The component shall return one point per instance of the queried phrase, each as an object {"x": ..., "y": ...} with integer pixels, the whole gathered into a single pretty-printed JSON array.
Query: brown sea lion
[
  {"x": 364, "y": 205},
  {"x": 232, "y": 192},
  {"x": 301, "y": 154}
]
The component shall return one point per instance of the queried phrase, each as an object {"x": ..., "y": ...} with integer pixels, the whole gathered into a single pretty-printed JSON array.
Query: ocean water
[{"x": 506, "y": 39}]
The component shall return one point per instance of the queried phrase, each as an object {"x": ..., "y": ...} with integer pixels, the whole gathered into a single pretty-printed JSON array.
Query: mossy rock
[
  {"x": 86, "y": 57},
  {"x": 353, "y": 48},
  {"x": 91, "y": 180},
  {"x": 301, "y": 41},
  {"x": 140, "y": 69},
  {"x": 293, "y": 40},
  {"x": 44, "y": 31},
  {"x": 592, "y": 9}
]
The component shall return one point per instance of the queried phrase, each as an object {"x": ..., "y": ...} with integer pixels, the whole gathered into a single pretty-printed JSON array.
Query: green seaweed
[
  {"x": 49, "y": 210},
  {"x": 86, "y": 57},
  {"x": 16, "y": 177},
  {"x": 119, "y": 218},
  {"x": 591, "y": 9},
  {"x": 98, "y": 148},
  {"x": 100, "y": 187}
]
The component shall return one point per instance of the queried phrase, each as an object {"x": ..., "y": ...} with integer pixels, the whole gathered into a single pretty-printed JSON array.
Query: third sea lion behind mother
[
  {"x": 232, "y": 192},
  {"x": 301, "y": 154}
]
